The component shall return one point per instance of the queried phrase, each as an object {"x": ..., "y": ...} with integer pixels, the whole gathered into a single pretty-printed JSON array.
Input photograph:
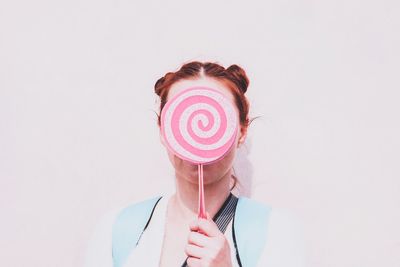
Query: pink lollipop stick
[{"x": 202, "y": 206}]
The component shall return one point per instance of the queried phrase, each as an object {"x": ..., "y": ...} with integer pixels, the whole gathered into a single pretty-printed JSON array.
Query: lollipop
[{"x": 199, "y": 125}]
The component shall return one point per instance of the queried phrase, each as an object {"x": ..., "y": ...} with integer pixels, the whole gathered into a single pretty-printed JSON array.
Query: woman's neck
[{"x": 186, "y": 198}]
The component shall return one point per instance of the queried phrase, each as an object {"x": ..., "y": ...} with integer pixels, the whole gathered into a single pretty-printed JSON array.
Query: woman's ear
[
  {"x": 243, "y": 135},
  {"x": 161, "y": 137}
]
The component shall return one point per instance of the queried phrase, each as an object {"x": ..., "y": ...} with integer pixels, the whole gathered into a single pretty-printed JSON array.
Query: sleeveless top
[
  {"x": 284, "y": 245},
  {"x": 148, "y": 251}
]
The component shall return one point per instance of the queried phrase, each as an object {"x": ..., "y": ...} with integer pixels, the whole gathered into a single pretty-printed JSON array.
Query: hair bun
[
  {"x": 239, "y": 77},
  {"x": 158, "y": 85},
  {"x": 161, "y": 83}
]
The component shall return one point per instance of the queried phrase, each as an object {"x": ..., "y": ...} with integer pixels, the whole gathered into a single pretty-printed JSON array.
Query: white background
[{"x": 78, "y": 132}]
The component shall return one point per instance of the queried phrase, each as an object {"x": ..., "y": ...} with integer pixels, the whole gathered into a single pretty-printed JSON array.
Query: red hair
[{"x": 234, "y": 77}]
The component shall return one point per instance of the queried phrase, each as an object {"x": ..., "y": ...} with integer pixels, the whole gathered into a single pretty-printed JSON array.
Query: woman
[{"x": 173, "y": 234}]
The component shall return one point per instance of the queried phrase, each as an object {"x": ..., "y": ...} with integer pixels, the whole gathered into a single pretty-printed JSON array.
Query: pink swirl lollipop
[{"x": 199, "y": 125}]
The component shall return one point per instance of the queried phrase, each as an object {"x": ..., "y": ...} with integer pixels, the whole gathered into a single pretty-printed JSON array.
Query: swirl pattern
[{"x": 199, "y": 125}]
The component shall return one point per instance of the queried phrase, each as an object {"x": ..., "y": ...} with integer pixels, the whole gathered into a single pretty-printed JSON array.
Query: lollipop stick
[{"x": 202, "y": 207}]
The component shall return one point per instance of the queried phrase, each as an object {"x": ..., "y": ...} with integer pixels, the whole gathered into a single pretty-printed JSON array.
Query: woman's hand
[{"x": 207, "y": 246}]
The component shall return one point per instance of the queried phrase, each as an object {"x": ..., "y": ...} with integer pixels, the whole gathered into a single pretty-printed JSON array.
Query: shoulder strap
[
  {"x": 250, "y": 230},
  {"x": 128, "y": 228}
]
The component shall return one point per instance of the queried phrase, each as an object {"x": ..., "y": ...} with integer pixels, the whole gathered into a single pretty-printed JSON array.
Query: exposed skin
[{"x": 207, "y": 247}]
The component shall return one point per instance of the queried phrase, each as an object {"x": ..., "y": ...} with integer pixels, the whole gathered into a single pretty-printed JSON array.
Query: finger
[
  {"x": 194, "y": 225},
  {"x": 194, "y": 251},
  {"x": 208, "y": 227},
  {"x": 193, "y": 262},
  {"x": 198, "y": 239}
]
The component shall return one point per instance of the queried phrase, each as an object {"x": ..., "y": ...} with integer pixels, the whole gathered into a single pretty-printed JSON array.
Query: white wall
[{"x": 77, "y": 102}]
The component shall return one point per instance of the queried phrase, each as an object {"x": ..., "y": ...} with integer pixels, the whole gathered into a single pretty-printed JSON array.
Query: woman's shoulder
[
  {"x": 285, "y": 240},
  {"x": 280, "y": 231},
  {"x": 279, "y": 220},
  {"x": 99, "y": 249},
  {"x": 131, "y": 208}
]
